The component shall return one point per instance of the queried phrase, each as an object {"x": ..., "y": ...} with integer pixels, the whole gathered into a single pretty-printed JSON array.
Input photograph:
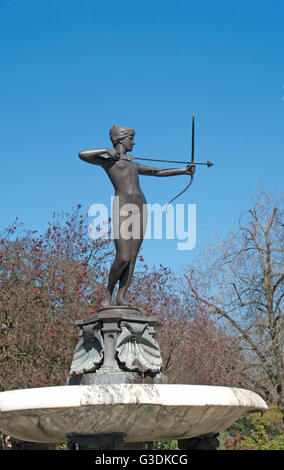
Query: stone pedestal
[{"x": 117, "y": 346}]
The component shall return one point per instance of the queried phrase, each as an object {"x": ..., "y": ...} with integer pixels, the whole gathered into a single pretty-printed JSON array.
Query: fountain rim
[{"x": 66, "y": 396}]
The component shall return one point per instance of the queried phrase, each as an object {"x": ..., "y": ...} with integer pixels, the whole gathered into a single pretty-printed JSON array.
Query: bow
[{"x": 190, "y": 163}]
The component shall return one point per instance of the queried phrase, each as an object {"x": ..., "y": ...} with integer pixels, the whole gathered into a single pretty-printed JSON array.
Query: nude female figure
[{"x": 124, "y": 173}]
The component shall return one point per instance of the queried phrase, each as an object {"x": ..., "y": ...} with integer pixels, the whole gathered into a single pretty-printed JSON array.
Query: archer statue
[{"x": 124, "y": 173}]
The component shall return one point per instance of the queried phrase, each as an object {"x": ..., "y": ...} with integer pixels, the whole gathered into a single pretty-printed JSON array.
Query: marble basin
[{"x": 141, "y": 412}]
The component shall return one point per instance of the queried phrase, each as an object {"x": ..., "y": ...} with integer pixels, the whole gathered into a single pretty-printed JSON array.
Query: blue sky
[{"x": 71, "y": 69}]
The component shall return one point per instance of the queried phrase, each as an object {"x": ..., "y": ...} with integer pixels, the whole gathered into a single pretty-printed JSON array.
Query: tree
[
  {"x": 194, "y": 349},
  {"x": 241, "y": 283},
  {"x": 46, "y": 282}
]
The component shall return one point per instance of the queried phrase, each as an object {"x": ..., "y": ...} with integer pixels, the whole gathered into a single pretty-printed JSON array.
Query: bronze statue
[{"x": 124, "y": 173}]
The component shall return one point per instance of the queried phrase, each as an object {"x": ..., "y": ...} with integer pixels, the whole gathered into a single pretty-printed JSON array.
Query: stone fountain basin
[{"x": 141, "y": 412}]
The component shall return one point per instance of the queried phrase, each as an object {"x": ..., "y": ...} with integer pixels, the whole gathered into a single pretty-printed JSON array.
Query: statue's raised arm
[{"x": 96, "y": 156}]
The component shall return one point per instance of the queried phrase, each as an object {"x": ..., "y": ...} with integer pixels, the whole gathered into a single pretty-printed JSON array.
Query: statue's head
[{"x": 122, "y": 135}]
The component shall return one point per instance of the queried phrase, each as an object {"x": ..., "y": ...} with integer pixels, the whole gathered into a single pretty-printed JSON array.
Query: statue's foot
[
  {"x": 122, "y": 301},
  {"x": 106, "y": 300}
]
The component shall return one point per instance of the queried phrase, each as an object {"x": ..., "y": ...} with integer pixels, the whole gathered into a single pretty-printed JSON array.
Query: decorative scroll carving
[{"x": 137, "y": 348}]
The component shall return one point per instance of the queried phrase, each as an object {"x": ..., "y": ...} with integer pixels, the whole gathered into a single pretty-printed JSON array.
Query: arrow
[{"x": 175, "y": 161}]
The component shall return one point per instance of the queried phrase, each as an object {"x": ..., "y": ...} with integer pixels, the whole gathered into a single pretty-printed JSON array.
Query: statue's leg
[
  {"x": 129, "y": 269},
  {"x": 126, "y": 279},
  {"x": 122, "y": 259}
]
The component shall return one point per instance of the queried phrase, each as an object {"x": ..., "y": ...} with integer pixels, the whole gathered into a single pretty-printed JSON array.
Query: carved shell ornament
[
  {"x": 137, "y": 348},
  {"x": 88, "y": 354}
]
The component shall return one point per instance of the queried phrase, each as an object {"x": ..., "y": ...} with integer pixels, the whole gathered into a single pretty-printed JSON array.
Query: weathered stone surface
[{"x": 141, "y": 412}]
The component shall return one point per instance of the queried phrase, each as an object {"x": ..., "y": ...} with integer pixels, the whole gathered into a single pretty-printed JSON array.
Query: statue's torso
[{"x": 125, "y": 179}]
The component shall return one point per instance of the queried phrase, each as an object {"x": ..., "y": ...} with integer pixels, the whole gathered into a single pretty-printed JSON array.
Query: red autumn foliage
[{"x": 46, "y": 282}]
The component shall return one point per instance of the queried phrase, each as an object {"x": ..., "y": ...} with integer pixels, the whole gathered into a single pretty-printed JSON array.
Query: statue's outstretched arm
[{"x": 162, "y": 172}]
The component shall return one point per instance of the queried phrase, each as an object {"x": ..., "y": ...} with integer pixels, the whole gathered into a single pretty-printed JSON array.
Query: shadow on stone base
[{"x": 121, "y": 377}]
